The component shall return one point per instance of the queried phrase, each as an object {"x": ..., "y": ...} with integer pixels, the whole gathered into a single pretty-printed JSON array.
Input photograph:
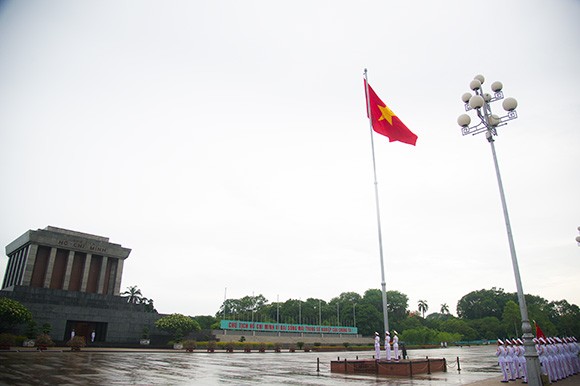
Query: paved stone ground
[{"x": 97, "y": 366}]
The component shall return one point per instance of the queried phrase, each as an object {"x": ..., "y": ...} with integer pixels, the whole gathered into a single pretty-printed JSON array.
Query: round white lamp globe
[
  {"x": 493, "y": 120},
  {"x": 476, "y": 102},
  {"x": 480, "y": 78},
  {"x": 464, "y": 120},
  {"x": 509, "y": 104},
  {"x": 475, "y": 84}
]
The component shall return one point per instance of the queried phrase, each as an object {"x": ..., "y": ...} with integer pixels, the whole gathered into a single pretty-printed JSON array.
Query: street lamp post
[
  {"x": 319, "y": 312},
  {"x": 488, "y": 124}
]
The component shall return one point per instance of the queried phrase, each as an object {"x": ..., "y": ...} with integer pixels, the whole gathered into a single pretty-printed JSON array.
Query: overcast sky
[{"x": 227, "y": 144}]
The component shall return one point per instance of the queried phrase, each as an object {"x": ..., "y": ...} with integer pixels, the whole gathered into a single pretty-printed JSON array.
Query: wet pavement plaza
[{"x": 171, "y": 367}]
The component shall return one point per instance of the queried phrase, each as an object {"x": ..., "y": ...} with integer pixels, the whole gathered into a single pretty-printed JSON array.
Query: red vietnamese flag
[
  {"x": 385, "y": 122},
  {"x": 539, "y": 332}
]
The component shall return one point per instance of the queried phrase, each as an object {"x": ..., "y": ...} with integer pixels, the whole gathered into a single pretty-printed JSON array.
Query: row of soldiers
[
  {"x": 388, "y": 343},
  {"x": 558, "y": 358},
  {"x": 510, "y": 356}
]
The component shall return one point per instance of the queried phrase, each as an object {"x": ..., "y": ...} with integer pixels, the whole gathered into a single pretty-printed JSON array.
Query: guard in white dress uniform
[
  {"x": 510, "y": 359},
  {"x": 396, "y": 344},
  {"x": 388, "y": 345},
  {"x": 553, "y": 359},
  {"x": 501, "y": 353},
  {"x": 521, "y": 360},
  {"x": 377, "y": 346},
  {"x": 574, "y": 350},
  {"x": 542, "y": 356}
]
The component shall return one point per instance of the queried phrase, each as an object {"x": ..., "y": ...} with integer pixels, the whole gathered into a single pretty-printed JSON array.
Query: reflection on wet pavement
[{"x": 201, "y": 368}]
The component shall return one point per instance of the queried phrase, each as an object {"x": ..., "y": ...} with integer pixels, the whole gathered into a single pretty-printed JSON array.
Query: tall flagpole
[{"x": 383, "y": 283}]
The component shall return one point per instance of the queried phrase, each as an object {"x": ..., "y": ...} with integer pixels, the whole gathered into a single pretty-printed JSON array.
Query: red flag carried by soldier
[{"x": 539, "y": 332}]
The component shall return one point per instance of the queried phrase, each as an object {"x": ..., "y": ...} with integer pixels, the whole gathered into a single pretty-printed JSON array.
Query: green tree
[
  {"x": 397, "y": 305},
  {"x": 309, "y": 309},
  {"x": 229, "y": 309},
  {"x": 346, "y": 303},
  {"x": 489, "y": 328},
  {"x": 565, "y": 316},
  {"x": 370, "y": 318},
  {"x": 423, "y": 307},
  {"x": 374, "y": 298},
  {"x": 246, "y": 308},
  {"x": 482, "y": 303},
  {"x": 444, "y": 336},
  {"x": 12, "y": 313},
  {"x": 413, "y": 321},
  {"x": 177, "y": 325},
  {"x": 511, "y": 319},
  {"x": 205, "y": 321},
  {"x": 435, "y": 319},
  {"x": 425, "y": 335},
  {"x": 289, "y": 311},
  {"x": 482, "y": 313},
  {"x": 459, "y": 326},
  {"x": 418, "y": 335}
]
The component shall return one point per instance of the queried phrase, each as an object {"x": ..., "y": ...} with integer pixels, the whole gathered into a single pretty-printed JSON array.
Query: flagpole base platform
[{"x": 401, "y": 368}]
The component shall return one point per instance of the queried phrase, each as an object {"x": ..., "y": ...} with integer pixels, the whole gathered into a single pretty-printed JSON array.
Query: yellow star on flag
[{"x": 386, "y": 114}]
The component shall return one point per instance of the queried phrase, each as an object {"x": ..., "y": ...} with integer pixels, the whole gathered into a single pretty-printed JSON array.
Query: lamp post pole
[
  {"x": 488, "y": 123},
  {"x": 319, "y": 312}
]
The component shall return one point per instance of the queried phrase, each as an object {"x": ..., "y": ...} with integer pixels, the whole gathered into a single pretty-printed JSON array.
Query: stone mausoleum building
[{"x": 72, "y": 281}]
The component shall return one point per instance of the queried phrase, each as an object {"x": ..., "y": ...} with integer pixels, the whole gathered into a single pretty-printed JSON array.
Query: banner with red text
[{"x": 283, "y": 327}]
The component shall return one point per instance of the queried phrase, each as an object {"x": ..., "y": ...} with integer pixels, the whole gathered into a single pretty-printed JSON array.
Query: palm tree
[
  {"x": 134, "y": 293},
  {"x": 444, "y": 308},
  {"x": 422, "y": 304}
]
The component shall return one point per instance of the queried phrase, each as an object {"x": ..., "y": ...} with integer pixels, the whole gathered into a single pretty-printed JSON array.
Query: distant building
[{"x": 71, "y": 280}]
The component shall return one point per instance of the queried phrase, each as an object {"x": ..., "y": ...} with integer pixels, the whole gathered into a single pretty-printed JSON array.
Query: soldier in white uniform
[
  {"x": 562, "y": 358},
  {"x": 574, "y": 349},
  {"x": 516, "y": 356},
  {"x": 388, "y": 345},
  {"x": 501, "y": 353},
  {"x": 522, "y": 360},
  {"x": 542, "y": 356},
  {"x": 510, "y": 360},
  {"x": 396, "y": 344},
  {"x": 553, "y": 359},
  {"x": 377, "y": 346},
  {"x": 575, "y": 352}
]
